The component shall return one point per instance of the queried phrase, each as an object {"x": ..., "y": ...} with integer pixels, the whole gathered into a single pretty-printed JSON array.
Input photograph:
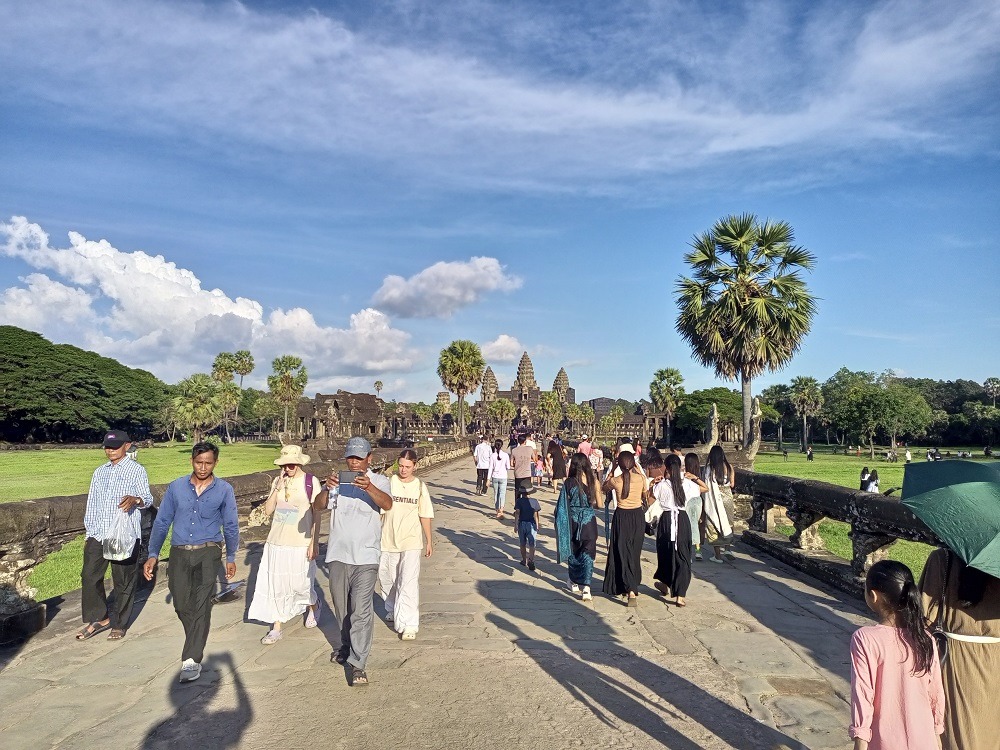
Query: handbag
[{"x": 937, "y": 631}]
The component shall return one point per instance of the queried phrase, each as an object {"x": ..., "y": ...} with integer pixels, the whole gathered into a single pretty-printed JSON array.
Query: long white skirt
[
  {"x": 399, "y": 579},
  {"x": 285, "y": 584}
]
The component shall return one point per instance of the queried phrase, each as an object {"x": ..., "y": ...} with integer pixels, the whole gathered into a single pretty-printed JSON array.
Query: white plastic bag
[{"x": 120, "y": 539}]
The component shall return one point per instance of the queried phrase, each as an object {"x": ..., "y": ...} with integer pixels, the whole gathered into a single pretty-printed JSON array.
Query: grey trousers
[{"x": 352, "y": 588}]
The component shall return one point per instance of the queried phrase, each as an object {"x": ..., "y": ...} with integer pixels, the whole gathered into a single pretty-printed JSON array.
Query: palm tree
[
  {"x": 501, "y": 412},
  {"x": 439, "y": 410},
  {"x": 550, "y": 409},
  {"x": 573, "y": 415},
  {"x": 778, "y": 398},
  {"x": 288, "y": 382},
  {"x": 423, "y": 413},
  {"x": 614, "y": 418},
  {"x": 197, "y": 405},
  {"x": 807, "y": 398},
  {"x": 378, "y": 387},
  {"x": 992, "y": 388},
  {"x": 667, "y": 392},
  {"x": 223, "y": 367},
  {"x": 243, "y": 365},
  {"x": 746, "y": 308},
  {"x": 460, "y": 368},
  {"x": 587, "y": 417}
]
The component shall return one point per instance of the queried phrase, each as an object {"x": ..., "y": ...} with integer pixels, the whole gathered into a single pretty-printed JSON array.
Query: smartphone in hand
[{"x": 347, "y": 477}]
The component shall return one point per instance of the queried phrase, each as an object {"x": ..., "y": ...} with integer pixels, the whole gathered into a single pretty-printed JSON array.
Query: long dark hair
[
  {"x": 972, "y": 583},
  {"x": 626, "y": 462},
  {"x": 873, "y": 477},
  {"x": 720, "y": 464},
  {"x": 581, "y": 472},
  {"x": 673, "y": 462},
  {"x": 691, "y": 464},
  {"x": 497, "y": 447},
  {"x": 895, "y": 582}
]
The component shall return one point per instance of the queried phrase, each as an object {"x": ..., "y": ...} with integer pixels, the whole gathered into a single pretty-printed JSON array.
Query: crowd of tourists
[{"x": 910, "y": 688}]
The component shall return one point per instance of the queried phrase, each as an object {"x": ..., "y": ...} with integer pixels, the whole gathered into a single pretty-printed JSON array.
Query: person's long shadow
[
  {"x": 616, "y": 703},
  {"x": 193, "y": 723}
]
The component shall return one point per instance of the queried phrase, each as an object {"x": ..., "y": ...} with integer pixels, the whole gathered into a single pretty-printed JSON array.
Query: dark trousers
[
  {"x": 481, "y": 480},
  {"x": 124, "y": 575},
  {"x": 192, "y": 575},
  {"x": 521, "y": 484}
]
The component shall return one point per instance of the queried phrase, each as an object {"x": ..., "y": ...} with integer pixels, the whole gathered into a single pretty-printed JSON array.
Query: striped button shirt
[{"x": 110, "y": 483}]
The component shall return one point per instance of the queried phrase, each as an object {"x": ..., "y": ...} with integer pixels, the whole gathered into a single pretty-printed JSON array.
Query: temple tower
[
  {"x": 561, "y": 385},
  {"x": 490, "y": 386}
]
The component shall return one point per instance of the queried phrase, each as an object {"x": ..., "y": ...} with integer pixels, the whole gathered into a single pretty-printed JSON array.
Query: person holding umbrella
[{"x": 960, "y": 585}]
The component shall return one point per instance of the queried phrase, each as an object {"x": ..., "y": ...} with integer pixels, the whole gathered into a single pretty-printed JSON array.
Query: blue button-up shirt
[{"x": 197, "y": 519}]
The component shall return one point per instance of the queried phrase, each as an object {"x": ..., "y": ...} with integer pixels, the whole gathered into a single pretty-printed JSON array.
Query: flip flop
[{"x": 92, "y": 629}]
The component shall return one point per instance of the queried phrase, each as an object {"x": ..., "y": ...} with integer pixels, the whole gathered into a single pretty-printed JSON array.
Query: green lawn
[
  {"x": 845, "y": 471},
  {"x": 26, "y": 475}
]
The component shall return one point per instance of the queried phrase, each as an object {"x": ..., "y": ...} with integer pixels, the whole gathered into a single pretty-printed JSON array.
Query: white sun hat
[{"x": 291, "y": 454}]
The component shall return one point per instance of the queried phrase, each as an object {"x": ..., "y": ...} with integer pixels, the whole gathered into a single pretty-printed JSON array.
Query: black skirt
[
  {"x": 674, "y": 558},
  {"x": 623, "y": 572}
]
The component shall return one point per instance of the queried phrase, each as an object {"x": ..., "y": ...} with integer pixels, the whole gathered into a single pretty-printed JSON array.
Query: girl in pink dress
[{"x": 897, "y": 699}]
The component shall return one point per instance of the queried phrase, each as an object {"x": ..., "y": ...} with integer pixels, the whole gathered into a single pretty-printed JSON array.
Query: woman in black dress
[{"x": 623, "y": 572}]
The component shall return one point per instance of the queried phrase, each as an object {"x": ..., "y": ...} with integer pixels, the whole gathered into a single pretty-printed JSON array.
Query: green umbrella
[{"x": 960, "y": 502}]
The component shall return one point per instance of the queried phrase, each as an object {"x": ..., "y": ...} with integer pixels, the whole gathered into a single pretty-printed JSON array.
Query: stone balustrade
[
  {"x": 32, "y": 529},
  {"x": 875, "y": 520}
]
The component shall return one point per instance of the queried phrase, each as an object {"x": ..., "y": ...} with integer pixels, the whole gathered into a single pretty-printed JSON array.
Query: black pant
[
  {"x": 481, "y": 480},
  {"x": 521, "y": 485},
  {"x": 192, "y": 575},
  {"x": 124, "y": 575}
]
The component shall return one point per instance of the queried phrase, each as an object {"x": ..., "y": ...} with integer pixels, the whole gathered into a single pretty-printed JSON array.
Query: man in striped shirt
[{"x": 119, "y": 486}]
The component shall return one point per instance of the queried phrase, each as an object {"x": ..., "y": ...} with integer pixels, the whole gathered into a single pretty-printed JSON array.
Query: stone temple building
[{"x": 524, "y": 393}]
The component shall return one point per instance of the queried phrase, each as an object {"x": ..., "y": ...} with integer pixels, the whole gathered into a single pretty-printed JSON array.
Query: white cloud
[
  {"x": 443, "y": 288},
  {"x": 159, "y": 317},
  {"x": 503, "y": 349},
  {"x": 529, "y": 99}
]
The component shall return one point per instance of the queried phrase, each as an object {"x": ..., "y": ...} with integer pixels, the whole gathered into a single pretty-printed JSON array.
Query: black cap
[{"x": 116, "y": 439}]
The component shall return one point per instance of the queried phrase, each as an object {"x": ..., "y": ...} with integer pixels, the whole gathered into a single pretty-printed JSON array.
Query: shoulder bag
[{"x": 937, "y": 631}]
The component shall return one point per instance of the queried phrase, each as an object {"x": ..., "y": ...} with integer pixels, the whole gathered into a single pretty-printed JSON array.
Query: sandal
[
  {"x": 662, "y": 588},
  {"x": 92, "y": 629},
  {"x": 358, "y": 677},
  {"x": 272, "y": 637},
  {"x": 116, "y": 634},
  {"x": 339, "y": 657}
]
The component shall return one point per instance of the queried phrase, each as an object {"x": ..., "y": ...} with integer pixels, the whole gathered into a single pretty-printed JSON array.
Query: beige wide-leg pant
[{"x": 398, "y": 576}]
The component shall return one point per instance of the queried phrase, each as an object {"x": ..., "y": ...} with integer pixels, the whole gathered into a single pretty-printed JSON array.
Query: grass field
[
  {"x": 26, "y": 475},
  {"x": 845, "y": 471}
]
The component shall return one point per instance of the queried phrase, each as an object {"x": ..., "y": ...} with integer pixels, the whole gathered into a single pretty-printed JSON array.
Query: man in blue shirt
[
  {"x": 202, "y": 510},
  {"x": 118, "y": 486}
]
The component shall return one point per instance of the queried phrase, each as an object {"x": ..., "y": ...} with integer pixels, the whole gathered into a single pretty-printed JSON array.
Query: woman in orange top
[{"x": 623, "y": 572}]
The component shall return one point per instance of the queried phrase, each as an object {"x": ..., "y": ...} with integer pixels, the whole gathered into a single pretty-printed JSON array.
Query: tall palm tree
[
  {"x": 587, "y": 417},
  {"x": 243, "y": 365},
  {"x": 778, "y": 397},
  {"x": 197, "y": 405},
  {"x": 573, "y": 415},
  {"x": 288, "y": 382},
  {"x": 502, "y": 411},
  {"x": 550, "y": 409},
  {"x": 667, "y": 392},
  {"x": 746, "y": 309},
  {"x": 992, "y": 388},
  {"x": 378, "y": 387},
  {"x": 460, "y": 368},
  {"x": 223, "y": 367},
  {"x": 807, "y": 398}
]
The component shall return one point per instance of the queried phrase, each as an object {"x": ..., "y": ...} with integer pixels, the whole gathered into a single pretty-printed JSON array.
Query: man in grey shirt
[{"x": 353, "y": 552}]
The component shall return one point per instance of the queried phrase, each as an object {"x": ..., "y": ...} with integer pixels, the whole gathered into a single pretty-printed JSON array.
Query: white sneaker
[
  {"x": 715, "y": 559},
  {"x": 409, "y": 634},
  {"x": 574, "y": 588},
  {"x": 586, "y": 594},
  {"x": 190, "y": 670}
]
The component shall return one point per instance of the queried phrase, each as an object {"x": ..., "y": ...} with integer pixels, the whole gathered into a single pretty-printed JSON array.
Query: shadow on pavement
[{"x": 194, "y": 723}]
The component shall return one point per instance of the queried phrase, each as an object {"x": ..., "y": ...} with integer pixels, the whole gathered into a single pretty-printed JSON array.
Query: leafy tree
[
  {"x": 777, "y": 397},
  {"x": 288, "y": 382},
  {"x": 550, "y": 409},
  {"x": 746, "y": 308},
  {"x": 839, "y": 399},
  {"x": 692, "y": 415},
  {"x": 992, "y": 388},
  {"x": 198, "y": 405},
  {"x": 807, "y": 399},
  {"x": 587, "y": 417},
  {"x": 460, "y": 368},
  {"x": 378, "y": 387},
  {"x": 666, "y": 391},
  {"x": 439, "y": 410},
  {"x": 423, "y": 413},
  {"x": 501, "y": 411},
  {"x": 607, "y": 424},
  {"x": 617, "y": 414},
  {"x": 573, "y": 416}
]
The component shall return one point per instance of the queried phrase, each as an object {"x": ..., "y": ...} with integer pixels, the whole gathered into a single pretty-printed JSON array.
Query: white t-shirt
[
  {"x": 356, "y": 524},
  {"x": 401, "y": 530},
  {"x": 482, "y": 454}
]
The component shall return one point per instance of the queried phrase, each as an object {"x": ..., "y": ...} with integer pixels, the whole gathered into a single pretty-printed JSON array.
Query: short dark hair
[
  {"x": 676, "y": 448},
  {"x": 203, "y": 447},
  {"x": 522, "y": 438}
]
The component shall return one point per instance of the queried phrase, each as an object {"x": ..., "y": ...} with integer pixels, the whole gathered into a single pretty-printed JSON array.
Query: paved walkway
[{"x": 504, "y": 659}]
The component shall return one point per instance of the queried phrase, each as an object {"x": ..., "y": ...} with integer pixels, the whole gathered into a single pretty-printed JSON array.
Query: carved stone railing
[
  {"x": 30, "y": 530},
  {"x": 875, "y": 520}
]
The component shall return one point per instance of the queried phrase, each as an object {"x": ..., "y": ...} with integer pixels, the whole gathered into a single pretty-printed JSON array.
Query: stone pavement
[{"x": 504, "y": 659}]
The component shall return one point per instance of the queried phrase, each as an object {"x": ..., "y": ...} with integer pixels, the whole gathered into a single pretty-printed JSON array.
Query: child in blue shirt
[{"x": 526, "y": 519}]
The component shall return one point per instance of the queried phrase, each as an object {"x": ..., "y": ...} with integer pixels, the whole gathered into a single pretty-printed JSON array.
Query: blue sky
[{"x": 361, "y": 183}]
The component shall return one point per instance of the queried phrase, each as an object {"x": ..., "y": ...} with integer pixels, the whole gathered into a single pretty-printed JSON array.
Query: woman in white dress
[
  {"x": 286, "y": 576},
  {"x": 406, "y": 536},
  {"x": 718, "y": 504}
]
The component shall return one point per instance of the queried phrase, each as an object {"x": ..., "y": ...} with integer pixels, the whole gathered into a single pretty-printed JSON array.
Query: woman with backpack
[{"x": 286, "y": 577}]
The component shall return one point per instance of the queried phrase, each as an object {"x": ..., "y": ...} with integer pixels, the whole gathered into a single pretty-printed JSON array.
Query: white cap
[
  {"x": 583, "y": 437},
  {"x": 626, "y": 448}
]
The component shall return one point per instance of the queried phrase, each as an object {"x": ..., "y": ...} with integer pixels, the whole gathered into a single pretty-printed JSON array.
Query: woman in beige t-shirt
[
  {"x": 406, "y": 536},
  {"x": 286, "y": 577}
]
